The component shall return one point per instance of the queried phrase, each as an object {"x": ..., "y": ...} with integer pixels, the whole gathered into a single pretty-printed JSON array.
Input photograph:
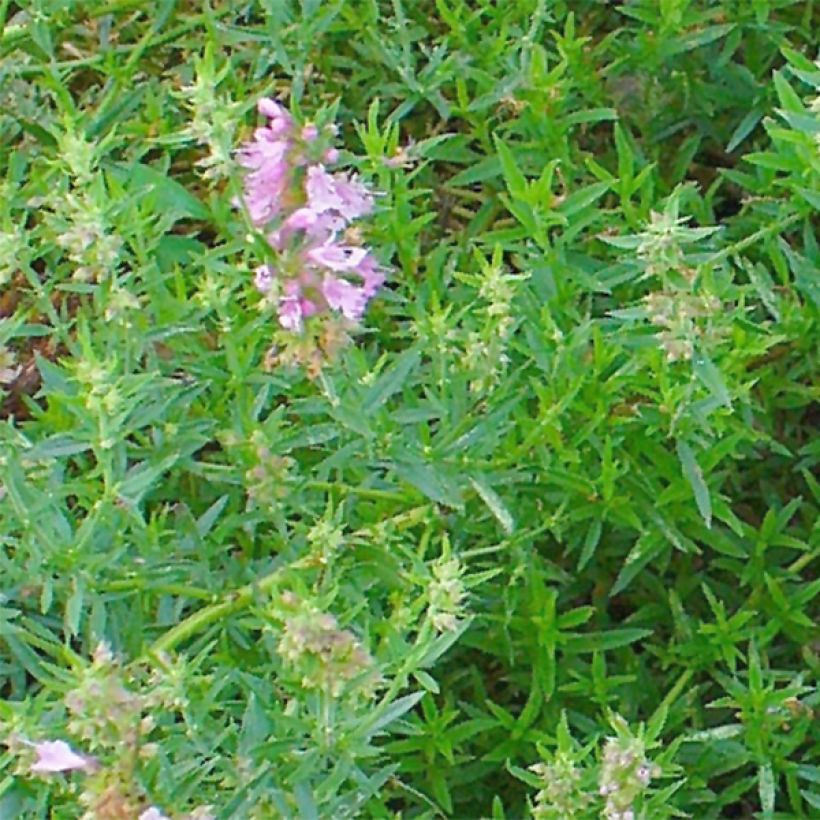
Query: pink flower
[
  {"x": 152, "y": 814},
  {"x": 337, "y": 192},
  {"x": 268, "y": 107},
  {"x": 304, "y": 213},
  {"x": 263, "y": 278},
  {"x": 320, "y": 187},
  {"x": 341, "y": 295},
  {"x": 290, "y": 313},
  {"x": 318, "y": 227},
  {"x": 356, "y": 199},
  {"x": 294, "y": 307},
  {"x": 372, "y": 275},
  {"x": 281, "y": 122},
  {"x": 339, "y": 258},
  {"x": 302, "y": 219},
  {"x": 57, "y": 756}
]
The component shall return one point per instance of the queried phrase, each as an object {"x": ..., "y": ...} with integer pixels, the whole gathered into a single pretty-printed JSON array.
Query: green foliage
[{"x": 541, "y": 542}]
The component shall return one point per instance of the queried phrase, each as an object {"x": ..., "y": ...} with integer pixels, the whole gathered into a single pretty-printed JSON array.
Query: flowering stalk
[{"x": 305, "y": 212}]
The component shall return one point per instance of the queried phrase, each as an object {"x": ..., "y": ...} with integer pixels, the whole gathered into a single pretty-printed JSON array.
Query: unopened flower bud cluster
[
  {"x": 660, "y": 246},
  {"x": 446, "y": 595},
  {"x": 683, "y": 318},
  {"x": 325, "y": 656},
  {"x": 83, "y": 233},
  {"x": 80, "y": 223},
  {"x": 612, "y": 789},
  {"x": 213, "y": 120},
  {"x": 485, "y": 351},
  {"x": 561, "y": 797},
  {"x": 269, "y": 478},
  {"x": 625, "y": 774}
]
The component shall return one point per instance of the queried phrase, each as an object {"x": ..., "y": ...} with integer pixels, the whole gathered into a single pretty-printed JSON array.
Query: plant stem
[
  {"x": 241, "y": 598},
  {"x": 747, "y": 241}
]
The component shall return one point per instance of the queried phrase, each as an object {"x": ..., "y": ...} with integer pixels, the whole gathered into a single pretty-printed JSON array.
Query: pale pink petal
[
  {"x": 57, "y": 756},
  {"x": 310, "y": 132},
  {"x": 268, "y": 107},
  {"x": 290, "y": 313},
  {"x": 356, "y": 200},
  {"x": 344, "y": 297},
  {"x": 372, "y": 274},
  {"x": 338, "y": 258},
  {"x": 301, "y": 219},
  {"x": 153, "y": 814},
  {"x": 281, "y": 122},
  {"x": 263, "y": 278},
  {"x": 321, "y": 190},
  {"x": 318, "y": 227}
]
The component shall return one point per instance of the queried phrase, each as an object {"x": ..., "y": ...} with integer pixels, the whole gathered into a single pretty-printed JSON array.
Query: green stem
[
  {"x": 364, "y": 492},
  {"x": 203, "y": 618},
  {"x": 747, "y": 241},
  {"x": 143, "y": 584},
  {"x": 241, "y": 598}
]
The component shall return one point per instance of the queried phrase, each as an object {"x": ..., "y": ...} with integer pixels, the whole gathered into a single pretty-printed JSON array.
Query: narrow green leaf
[
  {"x": 718, "y": 733},
  {"x": 391, "y": 381},
  {"x": 494, "y": 503},
  {"x": 744, "y": 128},
  {"x": 582, "y": 198},
  {"x": 516, "y": 181},
  {"x": 712, "y": 378},
  {"x": 603, "y": 641},
  {"x": 766, "y": 789},
  {"x": 384, "y": 715},
  {"x": 694, "y": 475}
]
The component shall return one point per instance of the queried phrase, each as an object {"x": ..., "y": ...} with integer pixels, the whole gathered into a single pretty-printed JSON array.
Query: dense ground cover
[{"x": 538, "y": 539}]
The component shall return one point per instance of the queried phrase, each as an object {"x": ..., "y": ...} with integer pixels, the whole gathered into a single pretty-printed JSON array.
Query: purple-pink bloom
[
  {"x": 310, "y": 132},
  {"x": 337, "y": 192},
  {"x": 57, "y": 756},
  {"x": 372, "y": 275},
  {"x": 267, "y": 182},
  {"x": 320, "y": 187},
  {"x": 294, "y": 306},
  {"x": 263, "y": 278},
  {"x": 290, "y": 313},
  {"x": 345, "y": 297},
  {"x": 268, "y": 107},
  {"x": 152, "y": 814},
  {"x": 281, "y": 122},
  {"x": 339, "y": 258},
  {"x": 356, "y": 200},
  {"x": 304, "y": 214}
]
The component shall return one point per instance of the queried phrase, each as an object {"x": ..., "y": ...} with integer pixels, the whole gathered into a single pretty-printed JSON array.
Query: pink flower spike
[
  {"x": 331, "y": 155},
  {"x": 310, "y": 132},
  {"x": 57, "y": 756}
]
